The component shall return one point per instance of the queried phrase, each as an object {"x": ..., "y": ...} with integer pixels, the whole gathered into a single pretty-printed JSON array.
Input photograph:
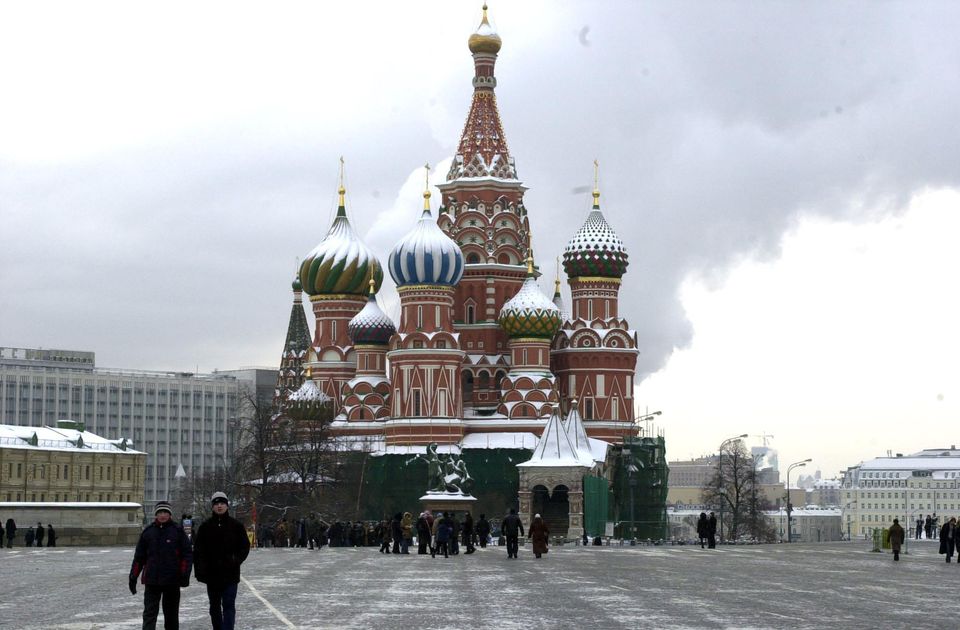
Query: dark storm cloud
[{"x": 716, "y": 125}]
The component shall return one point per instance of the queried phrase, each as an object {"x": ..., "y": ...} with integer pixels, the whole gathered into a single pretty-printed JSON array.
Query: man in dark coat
[
  {"x": 396, "y": 531},
  {"x": 512, "y": 528},
  {"x": 51, "y": 536},
  {"x": 919, "y": 528},
  {"x": 28, "y": 537},
  {"x": 483, "y": 530},
  {"x": 162, "y": 562},
  {"x": 703, "y": 527},
  {"x": 38, "y": 535},
  {"x": 468, "y": 532},
  {"x": 896, "y": 539},
  {"x": 423, "y": 534},
  {"x": 220, "y": 547},
  {"x": 712, "y": 531},
  {"x": 928, "y": 527},
  {"x": 948, "y": 538},
  {"x": 11, "y": 531}
]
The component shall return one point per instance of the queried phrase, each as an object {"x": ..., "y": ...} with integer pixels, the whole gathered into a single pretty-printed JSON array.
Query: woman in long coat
[
  {"x": 896, "y": 538},
  {"x": 538, "y": 533},
  {"x": 703, "y": 527}
]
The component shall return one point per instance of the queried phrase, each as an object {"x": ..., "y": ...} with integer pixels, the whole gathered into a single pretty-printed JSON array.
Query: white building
[
  {"x": 176, "y": 418},
  {"x": 903, "y": 487}
]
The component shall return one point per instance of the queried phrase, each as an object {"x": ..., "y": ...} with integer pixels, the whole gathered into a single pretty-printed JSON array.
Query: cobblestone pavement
[{"x": 838, "y": 585}]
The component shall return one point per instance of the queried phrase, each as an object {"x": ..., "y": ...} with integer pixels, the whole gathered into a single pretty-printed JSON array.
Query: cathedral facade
[{"x": 479, "y": 353}]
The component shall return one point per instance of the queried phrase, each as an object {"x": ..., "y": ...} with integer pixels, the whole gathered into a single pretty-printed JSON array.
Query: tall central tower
[{"x": 482, "y": 211}]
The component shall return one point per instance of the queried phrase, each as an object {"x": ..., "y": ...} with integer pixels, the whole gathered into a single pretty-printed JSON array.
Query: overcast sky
[{"x": 784, "y": 176}]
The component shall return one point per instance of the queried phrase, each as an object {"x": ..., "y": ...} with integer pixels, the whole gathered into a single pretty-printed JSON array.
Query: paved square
[{"x": 838, "y": 585}]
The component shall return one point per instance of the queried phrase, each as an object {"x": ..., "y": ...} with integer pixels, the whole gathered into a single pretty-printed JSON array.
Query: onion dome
[
  {"x": 341, "y": 263},
  {"x": 371, "y": 325},
  {"x": 426, "y": 255},
  {"x": 530, "y": 313},
  {"x": 297, "y": 287},
  {"x": 308, "y": 402},
  {"x": 595, "y": 250},
  {"x": 485, "y": 39}
]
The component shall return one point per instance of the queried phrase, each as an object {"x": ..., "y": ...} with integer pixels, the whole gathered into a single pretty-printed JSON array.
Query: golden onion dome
[{"x": 485, "y": 40}]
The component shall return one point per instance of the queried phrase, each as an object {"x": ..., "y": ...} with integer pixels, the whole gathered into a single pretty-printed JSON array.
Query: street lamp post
[
  {"x": 789, "y": 506},
  {"x": 720, "y": 476}
]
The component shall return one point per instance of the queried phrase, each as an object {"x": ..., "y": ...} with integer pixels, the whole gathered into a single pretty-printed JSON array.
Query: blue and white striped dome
[{"x": 426, "y": 255}]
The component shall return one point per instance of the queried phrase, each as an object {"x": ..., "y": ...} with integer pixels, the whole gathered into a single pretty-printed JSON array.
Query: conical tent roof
[
  {"x": 555, "y": 449},
  {"x": 577, "y": 435}
]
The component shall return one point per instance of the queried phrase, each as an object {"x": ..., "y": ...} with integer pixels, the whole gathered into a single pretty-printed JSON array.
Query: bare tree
[{"x": 734, "y": 489}]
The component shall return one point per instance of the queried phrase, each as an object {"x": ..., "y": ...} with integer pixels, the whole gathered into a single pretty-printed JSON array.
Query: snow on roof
[
  {"x": 577, "y": 434},
  {"x": 931, "y": 462},
  {"x": 500, "y": 440},
  {"x": 555, "y": 449},
  {"x": 59, "y": 439},
  {"x": 309, "y": 392}
]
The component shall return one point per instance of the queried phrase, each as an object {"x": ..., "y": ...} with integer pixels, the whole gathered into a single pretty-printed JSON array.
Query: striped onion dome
[
  {"x": 426, "y": 255},
  {"x": 530, "y": 313},
  {"x": 371, "y": 325},
  {"x": 341, "y": 263},
  {"x": 595, "y": 250}
]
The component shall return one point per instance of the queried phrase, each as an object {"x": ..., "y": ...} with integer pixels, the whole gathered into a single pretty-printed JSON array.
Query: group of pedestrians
[
  {"x": 707, "y": 530},
  {"x": 948, "y": 535},
  {"x": 927, "y": 525},
  {"x": 165, "y": 556},
  {"x": 32, "y": 536}
]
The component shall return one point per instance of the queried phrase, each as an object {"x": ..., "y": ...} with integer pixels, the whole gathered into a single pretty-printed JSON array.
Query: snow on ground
[{"x": 840, "y": 585}]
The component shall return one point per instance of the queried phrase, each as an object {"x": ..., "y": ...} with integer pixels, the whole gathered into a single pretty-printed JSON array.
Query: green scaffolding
[{"x": 638, "y": 502}]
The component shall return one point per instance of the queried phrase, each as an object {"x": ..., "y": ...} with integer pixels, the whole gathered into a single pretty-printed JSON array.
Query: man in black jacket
[
  {"x": 220, "y": 547},
  {"x": 162, "y": 562},
  {"x": 512, "y": 528}
]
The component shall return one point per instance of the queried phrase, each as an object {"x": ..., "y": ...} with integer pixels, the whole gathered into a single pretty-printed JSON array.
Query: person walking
[
  {"x": 919, "y": 528},
  {"x": 512, "y": 528},
  {"x": 28, "y": 537},
  {"x": 406, "y": 532},
  {"x": 539, "y": 534},
  {"x": 162, "y": 561},
  {"x": 51, "y": 536},
  {"x": 703, "y": 526},
  {"x": 383, "y": 531},
  {"x": 483, "y": 530},
  {"x": 423, "y": 534},
  {"x": 928, "y": 527},
  {"x": 11, "y": 531},
  {"x": 396, "y": 531},
  {"x": 712, "y": 531},
  {"x": 220, "y": 547},
  {"x": 896, "y": 539},
  {"x": 38, "y": 534},
  {"x": 468, "y": 532},
  {"x": 444, "y": 530},
  {"x": 934, "y": 527},
  {"x": 948, "y": 538}
]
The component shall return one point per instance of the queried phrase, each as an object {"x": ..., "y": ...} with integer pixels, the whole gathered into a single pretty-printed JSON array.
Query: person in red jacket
[
  {"x": 219, "y": 548},
  {"x": 162, "y": 561}
]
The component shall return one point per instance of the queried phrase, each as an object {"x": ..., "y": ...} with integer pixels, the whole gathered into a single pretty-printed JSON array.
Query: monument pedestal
[{"x": 447, "y": 502}]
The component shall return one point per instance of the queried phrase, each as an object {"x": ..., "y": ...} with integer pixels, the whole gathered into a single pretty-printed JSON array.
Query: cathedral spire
[
  {"x": 482, "y": 151},
  {"x": 341, "y": 191}
]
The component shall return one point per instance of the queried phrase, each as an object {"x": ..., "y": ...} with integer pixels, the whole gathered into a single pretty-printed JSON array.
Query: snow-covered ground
[{"x": 839, "y": 585}]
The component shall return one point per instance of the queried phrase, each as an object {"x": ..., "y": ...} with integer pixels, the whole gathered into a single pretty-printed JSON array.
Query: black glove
[
  {"x": 185, "y": 580},
  {"x": 133, "y": 585}
]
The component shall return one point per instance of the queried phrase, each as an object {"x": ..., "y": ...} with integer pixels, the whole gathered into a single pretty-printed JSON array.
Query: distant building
[
  {"x": 68, "y": 464},
  {"x": 905, "y": 487},
  {"x": 177, "y": 418},
  {"x": 825, "y": 493}
]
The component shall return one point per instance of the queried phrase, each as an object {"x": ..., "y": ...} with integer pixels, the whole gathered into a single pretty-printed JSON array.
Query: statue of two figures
[{"x": 447, "y": 474}]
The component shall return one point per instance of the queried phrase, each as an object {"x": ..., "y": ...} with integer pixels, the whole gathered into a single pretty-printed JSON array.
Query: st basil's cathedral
[{"x": 481, "y": 362}]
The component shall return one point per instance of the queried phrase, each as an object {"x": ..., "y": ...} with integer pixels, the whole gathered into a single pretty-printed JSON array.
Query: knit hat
[
  {"x": 219, "y": 496},
  {"x": 162, "y": 506}
]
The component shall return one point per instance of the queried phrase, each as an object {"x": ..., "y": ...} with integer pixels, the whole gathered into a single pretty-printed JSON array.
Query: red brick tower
[
  {"x": 595, "y": 353},
  {"x": 425, "y": 356},
  {"x": 337, "y": 274},
  {"x": 482, "y": 211}
]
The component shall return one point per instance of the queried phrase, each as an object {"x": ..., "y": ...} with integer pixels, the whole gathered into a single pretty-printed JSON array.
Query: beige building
[
  {"x": 904, "y": 487},
  {"x": 68, "y": 464}
]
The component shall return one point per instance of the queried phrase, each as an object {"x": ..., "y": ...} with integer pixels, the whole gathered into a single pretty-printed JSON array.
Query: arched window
[
  {"x": 484, "y": 380},
  {"x": 473, "y": 259},
  {"x": 471, "y": 314}
]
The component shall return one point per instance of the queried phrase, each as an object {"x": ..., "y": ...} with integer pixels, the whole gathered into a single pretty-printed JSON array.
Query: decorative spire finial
[
  {"x": 556, "y": 280},
  {"x": 484, "y": 20},
  {"x": 530, "y": 272},
  {"x": 426, "y": 189},
  {"x": 596, "y": 184},
  {"x": 341, "y": 204},
  {"x": 373, "y": 287}
]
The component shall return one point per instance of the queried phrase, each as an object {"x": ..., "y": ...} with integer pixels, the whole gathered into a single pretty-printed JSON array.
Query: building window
[
  {"x": 416, "y": 402},
  {"x": 471, "y": 314}
]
